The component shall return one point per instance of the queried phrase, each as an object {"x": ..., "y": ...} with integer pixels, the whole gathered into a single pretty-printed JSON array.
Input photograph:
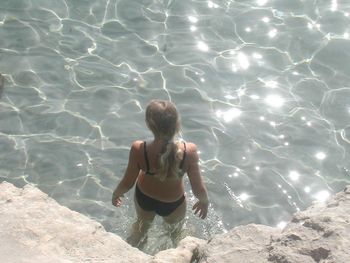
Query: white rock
[
  {"x": 319, "y": 234},
  {"x": 241, "y": 244},
  {"x": 35, "y": 228},
  {"x": 187, "y": 249}
]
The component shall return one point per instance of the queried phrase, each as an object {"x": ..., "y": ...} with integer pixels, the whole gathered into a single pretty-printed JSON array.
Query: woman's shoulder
[
  {"x": 136, "y": 151},
  {"x": 191, "y": 151},
  {"x": 136, "y": 146},
  {"x": 137, "y": 143},
  {"x": 190, "y": 146}
]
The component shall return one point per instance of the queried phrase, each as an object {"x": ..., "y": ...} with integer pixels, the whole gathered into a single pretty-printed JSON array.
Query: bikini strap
[
  {"x": 184, "y": 156},
  {"x": 146, "y": 157}
]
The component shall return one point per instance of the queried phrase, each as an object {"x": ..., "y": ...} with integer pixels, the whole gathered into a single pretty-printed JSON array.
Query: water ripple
[{"x": 262, "y": 88}]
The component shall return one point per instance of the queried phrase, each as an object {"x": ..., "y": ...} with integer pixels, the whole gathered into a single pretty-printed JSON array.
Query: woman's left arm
[{"x": 130, "y": 175}]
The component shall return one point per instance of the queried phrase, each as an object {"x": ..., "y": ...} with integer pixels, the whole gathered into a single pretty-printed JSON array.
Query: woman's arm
[
  {"x": 196, "y": 181},
  {"x": 130, "y": 175}
]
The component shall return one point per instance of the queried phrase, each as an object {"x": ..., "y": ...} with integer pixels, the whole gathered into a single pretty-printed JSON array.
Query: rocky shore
[{"x": 35, "y": 228}]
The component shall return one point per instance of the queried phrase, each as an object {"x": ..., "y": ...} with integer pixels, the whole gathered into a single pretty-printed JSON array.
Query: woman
[{"x": 158, "y": 167}]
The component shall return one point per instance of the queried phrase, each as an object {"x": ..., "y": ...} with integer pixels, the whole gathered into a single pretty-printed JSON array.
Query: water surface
[{"x": 262, "y": 87}]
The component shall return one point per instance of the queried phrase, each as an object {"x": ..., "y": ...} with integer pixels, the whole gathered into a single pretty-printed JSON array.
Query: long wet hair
[{"x": 163, "y": 120}]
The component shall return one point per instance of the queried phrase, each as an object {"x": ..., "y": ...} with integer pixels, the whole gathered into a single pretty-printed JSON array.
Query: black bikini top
[{"x": 147, "y": 161}]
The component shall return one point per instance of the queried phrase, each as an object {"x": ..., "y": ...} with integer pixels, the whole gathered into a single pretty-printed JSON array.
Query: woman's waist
[{"x": 163, "y": 192}]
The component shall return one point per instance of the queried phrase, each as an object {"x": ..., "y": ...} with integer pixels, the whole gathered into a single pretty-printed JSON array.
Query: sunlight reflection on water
[{"x": 262, "y": 87}]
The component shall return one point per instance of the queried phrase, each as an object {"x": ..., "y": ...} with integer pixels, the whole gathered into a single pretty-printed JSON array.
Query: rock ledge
[{"x": 35, "y": 228}]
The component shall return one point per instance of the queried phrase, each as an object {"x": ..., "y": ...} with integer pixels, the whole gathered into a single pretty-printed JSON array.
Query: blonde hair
[{"x": 163, "y": 120}]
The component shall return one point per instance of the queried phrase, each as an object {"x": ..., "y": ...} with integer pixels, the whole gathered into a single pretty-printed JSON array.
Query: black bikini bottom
[{"x": 150, "y": 204}]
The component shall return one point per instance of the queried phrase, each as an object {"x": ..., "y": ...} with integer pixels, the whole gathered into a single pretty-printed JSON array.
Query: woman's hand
[
  {"x": 202, "y": 208},
  {"x": 116, "y": 200}
]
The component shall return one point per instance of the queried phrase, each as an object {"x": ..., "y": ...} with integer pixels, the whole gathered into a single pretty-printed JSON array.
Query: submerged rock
[{"x": 35, "y": 228}]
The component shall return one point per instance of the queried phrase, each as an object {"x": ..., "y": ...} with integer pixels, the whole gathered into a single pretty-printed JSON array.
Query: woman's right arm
[{"x": 196, "y": 181}]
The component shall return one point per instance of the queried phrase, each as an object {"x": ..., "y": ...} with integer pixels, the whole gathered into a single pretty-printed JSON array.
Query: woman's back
[{"x": 172, "y": 187}]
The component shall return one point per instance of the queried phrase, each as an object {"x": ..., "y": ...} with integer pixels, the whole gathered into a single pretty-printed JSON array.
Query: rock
[
  {"x": 186, "y": 251},
  {"x": 241, "y": 244},
  {"x": 319, "y": 234},
  {"x": 35, "y": 228}
]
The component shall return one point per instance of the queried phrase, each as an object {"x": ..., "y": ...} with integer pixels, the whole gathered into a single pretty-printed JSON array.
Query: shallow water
[{"x": 262, "y": 87}]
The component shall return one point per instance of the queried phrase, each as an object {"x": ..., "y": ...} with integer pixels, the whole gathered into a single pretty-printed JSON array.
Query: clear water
[{"x": 262, "y": 87}]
